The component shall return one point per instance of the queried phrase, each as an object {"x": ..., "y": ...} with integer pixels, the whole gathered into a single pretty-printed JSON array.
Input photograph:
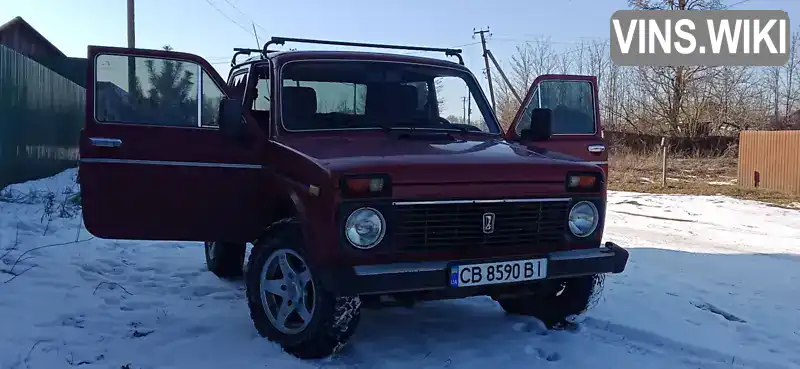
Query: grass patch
[{"x": 689, "y": 175}]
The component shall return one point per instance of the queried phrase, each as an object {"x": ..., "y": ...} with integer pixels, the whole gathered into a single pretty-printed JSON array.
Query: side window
[
  {"x": 237, "y": 84},
  {"x": 456, "y": 103},
  {"x": 525, "y": 121},
  {"x": 261, "y": 100},
  {"x": 154, "y": 91},
  {"x": 212, "y": 96},
  {"x": 572, "y": 103}
]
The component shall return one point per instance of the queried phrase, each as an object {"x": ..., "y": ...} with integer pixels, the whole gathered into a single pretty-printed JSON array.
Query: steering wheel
[{"x": 468, "y": 127}]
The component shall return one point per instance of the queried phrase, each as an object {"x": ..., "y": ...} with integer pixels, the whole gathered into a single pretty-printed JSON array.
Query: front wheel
[
  {"x": 290, "y": 305},
  {"x": 572, "y": 296}
]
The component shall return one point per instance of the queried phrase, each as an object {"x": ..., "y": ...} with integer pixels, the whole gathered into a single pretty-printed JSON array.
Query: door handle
[
  {"x": 105, "y": 142},
  {"x": 596, "y": 149}
]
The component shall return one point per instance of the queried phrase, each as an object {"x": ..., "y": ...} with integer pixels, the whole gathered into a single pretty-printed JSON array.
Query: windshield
[{"x": 324, "y": 95}]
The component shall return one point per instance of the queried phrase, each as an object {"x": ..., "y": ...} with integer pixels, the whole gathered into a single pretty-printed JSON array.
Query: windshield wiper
[{"x": 461, "y": 129}]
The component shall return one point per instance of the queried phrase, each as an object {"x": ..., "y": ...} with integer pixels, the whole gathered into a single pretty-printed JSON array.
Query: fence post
[{"x": 664, "y": 162}]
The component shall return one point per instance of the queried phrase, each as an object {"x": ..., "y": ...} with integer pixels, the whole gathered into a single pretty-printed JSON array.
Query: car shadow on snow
[
  {"x": 439, "y": 331},
  {"x": 669, "y": 306}
]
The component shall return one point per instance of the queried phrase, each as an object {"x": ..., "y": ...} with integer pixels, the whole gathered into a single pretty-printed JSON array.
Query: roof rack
[
  {"x": 283, "y": 40},
  {"x": 245, "y": 51}
]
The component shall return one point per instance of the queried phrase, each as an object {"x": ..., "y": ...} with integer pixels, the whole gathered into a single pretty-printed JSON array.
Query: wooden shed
[{"x": 20, "y": 36}]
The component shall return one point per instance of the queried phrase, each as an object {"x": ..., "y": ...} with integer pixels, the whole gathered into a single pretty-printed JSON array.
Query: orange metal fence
[{"x": 770, "y": 160}]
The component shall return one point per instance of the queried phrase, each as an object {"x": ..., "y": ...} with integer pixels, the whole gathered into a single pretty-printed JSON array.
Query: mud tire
[
  {"x": 577, "y": 295},
  {"x": 333, "y": 320},
  {"x": 225, "y": 259}
]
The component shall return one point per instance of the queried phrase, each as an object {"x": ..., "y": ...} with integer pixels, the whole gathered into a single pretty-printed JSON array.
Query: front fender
[{"x": 308, "y": 189}]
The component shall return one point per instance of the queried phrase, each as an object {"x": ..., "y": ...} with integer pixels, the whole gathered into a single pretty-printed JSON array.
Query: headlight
[
  {"x": 583, "y": 219},
  {"x": 365, "y": 228}
]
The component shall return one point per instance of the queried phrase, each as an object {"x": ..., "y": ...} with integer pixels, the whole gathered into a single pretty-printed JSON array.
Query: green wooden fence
[{"x": 41, "y": 115}]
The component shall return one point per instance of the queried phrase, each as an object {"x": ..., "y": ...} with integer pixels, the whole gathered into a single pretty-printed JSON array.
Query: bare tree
[{"x": 672, "y": 100}]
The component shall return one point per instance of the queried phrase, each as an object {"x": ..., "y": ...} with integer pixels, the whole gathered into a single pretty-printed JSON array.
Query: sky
[{"x": 212, "y": 28}]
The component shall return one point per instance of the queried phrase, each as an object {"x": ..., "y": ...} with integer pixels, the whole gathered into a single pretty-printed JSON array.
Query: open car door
[
  {"x": 577, "y": 133},
  {"x": 153, "y": 162}
]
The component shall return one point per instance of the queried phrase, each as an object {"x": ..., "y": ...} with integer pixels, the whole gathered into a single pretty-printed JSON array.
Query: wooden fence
[
  {"x": 706, "y": 146},
  {"x": 770, "y": 160},
  {"x": 41, "y": 115}
]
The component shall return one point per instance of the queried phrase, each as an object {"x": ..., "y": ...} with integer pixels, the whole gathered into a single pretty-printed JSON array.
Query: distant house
[
  {"x": 20, "y": 36},
  {"x": 793, "y": 122}
]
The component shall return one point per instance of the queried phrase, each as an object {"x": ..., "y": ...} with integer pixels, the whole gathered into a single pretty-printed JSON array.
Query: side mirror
[
  {"x": 231, "y": 121},
  {"x": 541, "y": 127}
]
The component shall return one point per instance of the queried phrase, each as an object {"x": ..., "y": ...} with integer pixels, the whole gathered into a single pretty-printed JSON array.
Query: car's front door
[
  {"x": 154, "y": 164},
  {"x": 577, "y": 132}
]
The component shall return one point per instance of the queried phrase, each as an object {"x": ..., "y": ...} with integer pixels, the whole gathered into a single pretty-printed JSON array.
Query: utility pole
[
  {"x": 469, "y": 110},
  {"x": 131, "y": 45},
  {"x": 486, "y": 61},
  {"x": 464, "y": 107},
  {"x": 131, "y": 33}
]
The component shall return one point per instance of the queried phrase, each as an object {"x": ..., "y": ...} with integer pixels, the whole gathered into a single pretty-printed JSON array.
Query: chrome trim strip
[
  {"x": 436, "y": 202},
  {"x": 595, "y": 162},
  {"x": 437, "y": 266},
  {"x": 171, "y": 163},
  {"x": 105, "y": 142},
  {"x": 390, "y": 291},
  {"x": 398, "y": 268},
  {"x": 602, "y": 252}
]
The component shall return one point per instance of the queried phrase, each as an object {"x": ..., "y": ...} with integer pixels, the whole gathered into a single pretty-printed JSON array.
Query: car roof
[{"x": 291, "y": 55}]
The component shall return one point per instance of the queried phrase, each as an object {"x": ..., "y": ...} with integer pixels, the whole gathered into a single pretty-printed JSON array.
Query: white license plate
[{"x": 498, "y": 272}]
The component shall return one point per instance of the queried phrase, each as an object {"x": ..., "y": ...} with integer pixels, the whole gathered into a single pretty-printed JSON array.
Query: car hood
[{"x": 422, "y": 161}]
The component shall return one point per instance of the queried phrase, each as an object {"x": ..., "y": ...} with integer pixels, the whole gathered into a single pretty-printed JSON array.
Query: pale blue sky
[{"x": 195, "y": 26}]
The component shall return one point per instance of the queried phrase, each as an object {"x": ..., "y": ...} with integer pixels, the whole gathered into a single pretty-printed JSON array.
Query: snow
[{"x": 712, "y": 282}]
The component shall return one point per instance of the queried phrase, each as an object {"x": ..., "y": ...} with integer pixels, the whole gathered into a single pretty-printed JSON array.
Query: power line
[
  {"x": 227, "y": 17},
  {"x": 245, "y": 15},
  {"x": 738, "y": 3}
]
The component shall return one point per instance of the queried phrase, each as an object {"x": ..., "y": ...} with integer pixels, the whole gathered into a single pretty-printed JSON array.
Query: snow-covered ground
[{"x": 712, "y": 282}]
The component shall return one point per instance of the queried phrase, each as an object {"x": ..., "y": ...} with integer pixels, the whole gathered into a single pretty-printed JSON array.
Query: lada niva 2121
[{"x": 360, "y": 178}]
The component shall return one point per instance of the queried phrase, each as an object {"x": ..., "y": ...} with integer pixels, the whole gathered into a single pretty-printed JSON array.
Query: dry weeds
[{"x": 691, "y": 175}]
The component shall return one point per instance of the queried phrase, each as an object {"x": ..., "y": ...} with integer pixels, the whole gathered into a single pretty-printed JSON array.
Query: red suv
[{"x": 359, "y": 178}]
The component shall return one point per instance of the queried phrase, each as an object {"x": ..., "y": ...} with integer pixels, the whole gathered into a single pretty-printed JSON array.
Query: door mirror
[
  {"x": 231, "y": 121},
  {"x": 541, "y": 127}
]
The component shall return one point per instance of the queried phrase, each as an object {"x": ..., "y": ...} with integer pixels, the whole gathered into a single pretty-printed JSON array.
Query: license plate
[{"x": 468, "y": 275}]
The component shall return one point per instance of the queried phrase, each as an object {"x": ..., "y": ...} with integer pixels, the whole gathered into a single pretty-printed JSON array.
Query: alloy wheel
[{"x": 287, "y": 291}]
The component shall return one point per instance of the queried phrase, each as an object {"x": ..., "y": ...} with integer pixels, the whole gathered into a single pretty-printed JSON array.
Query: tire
[
  {"x": 553, "y": 306},
  {"x": 225, "y": 260},
  {"x": 317, "y": 324}
]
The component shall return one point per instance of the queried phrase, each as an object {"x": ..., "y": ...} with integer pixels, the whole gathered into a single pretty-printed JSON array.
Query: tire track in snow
[{"x": 649, "y": 343}]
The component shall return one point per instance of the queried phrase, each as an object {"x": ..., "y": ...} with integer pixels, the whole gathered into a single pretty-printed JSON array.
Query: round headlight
[
  {"x": 583, "y": 219},
  {"x": 365, "y": 228}
]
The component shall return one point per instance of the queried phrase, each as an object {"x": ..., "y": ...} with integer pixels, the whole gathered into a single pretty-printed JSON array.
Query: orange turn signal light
[
  {"x": 364, "y": 186},
  {"x": 581, "y": 181}
]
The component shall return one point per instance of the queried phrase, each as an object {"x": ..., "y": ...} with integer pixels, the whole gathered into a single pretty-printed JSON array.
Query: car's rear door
[
  {"x": 154, "y": 164},
  {"x": 577, "y": 132}
]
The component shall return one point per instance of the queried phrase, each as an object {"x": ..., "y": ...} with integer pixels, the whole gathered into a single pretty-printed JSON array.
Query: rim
[
  {"x": 211, "y": 249},
  {"x": 287, "y": 291}
]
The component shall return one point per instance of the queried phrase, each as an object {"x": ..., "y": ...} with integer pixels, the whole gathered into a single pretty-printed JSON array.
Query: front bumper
[{"x": 429, "y": 276}]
